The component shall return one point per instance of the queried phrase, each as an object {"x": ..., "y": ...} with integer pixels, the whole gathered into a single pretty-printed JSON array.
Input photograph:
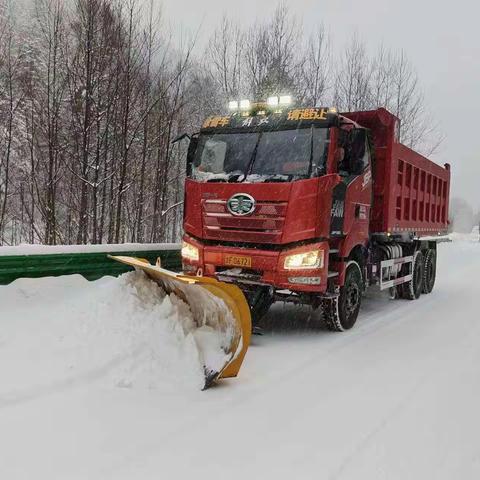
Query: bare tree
[
  {"x": 353, "y": 77},
  {"x": 317, "y": 68},
  {"x": 273, "y": 55},
  {"x": 224, "y": 58},
  {"x": 11, "y": 102},
  {"x": 150, "y": 41},
  {"x": 45, "y": 92},
  {"x": 395, "y": 85}
]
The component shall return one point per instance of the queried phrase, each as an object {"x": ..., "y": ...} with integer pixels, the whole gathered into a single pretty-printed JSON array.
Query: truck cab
[
  {"x": 268, "y": 194},
  {"x": 280, "y": 200}
]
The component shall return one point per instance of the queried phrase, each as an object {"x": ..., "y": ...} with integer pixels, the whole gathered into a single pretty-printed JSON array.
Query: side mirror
[
  {"x": 192, "y": 148},
  {"x": 181, "y": 137}
]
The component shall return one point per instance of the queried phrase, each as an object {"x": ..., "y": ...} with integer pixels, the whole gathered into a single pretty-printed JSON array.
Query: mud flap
[{"x": 211, "y": 302}]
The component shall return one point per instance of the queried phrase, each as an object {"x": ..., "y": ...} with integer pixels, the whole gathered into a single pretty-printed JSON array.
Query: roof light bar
[
  {"x": 285, "y": 100},
  {"x": 272, "y": 101},
  {"x": 244, "y": 104}
]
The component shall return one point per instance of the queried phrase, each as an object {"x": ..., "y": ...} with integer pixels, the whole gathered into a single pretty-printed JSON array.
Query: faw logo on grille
[{"x": 241, "y": 204}]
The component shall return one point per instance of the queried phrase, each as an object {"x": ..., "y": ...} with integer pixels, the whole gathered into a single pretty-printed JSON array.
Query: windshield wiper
[
  {"x": 235, "y": 178},
  {"x": 232, "y": 178}
]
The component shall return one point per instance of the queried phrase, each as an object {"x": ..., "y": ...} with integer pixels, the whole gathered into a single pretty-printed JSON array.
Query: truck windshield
[{"x": 282, "y": 155}]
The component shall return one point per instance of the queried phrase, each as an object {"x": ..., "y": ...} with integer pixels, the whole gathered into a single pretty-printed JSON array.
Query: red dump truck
[{"x": 311, "y": 206}]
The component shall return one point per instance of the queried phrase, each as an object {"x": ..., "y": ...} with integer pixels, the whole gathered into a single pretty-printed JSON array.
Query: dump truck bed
[{"x": 411, "y": 193}]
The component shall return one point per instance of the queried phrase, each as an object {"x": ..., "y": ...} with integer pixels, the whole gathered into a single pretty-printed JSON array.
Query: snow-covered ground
[{"x": 98, "y": 382}]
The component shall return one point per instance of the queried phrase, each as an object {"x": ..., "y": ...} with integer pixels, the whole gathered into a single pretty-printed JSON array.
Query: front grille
[{"x": 263, "y": 226}]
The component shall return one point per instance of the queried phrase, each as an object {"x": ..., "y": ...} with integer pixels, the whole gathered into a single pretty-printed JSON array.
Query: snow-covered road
[{"x": 397, "y": 397}]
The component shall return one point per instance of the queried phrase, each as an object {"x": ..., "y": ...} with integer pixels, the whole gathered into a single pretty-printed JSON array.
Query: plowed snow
[{"x": 126, "y": 332}]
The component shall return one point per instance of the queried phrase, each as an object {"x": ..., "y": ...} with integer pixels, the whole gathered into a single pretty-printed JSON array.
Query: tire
[
  {"x": 341, "y": 313},
  {"x": 430, "y": 271},
  {"x": 413, "y": 289}
]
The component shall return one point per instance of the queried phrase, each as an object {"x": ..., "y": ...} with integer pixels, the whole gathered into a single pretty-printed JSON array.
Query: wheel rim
[{"x": 352, "y": 298}]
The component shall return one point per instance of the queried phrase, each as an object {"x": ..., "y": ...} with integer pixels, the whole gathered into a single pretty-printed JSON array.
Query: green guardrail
[{"x": 92, "y": 266}]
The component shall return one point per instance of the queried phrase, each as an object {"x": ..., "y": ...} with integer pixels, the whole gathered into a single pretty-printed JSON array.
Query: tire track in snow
[{"x": 390, "y": 316}]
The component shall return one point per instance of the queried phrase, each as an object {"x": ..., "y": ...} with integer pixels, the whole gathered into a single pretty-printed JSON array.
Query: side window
[
  {"x": 359, "y": 151},
  {"x": 353, "y": 152},
  {"x": 366, "y": 157},
  {"x": 343, "y": 153},
  {"x": 320, "y": 143}
]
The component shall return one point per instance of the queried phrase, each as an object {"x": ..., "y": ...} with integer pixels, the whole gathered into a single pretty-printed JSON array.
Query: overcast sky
[{"x": 441, "y": 38}]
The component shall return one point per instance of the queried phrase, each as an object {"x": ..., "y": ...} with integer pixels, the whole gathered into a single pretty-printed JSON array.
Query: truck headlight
[
  {"x": 190, "y": 251},
  {"x": 313, "y": 259}
]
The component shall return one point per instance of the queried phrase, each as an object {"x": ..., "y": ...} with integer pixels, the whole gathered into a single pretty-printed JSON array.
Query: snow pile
[{"x": 126, "y": 332}]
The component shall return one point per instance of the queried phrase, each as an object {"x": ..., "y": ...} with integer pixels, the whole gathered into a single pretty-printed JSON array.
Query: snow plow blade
[{"x": 215, "y": 304}]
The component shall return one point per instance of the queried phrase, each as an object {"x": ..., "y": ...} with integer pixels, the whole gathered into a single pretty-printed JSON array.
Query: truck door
[{"x": 352, "y": 198}]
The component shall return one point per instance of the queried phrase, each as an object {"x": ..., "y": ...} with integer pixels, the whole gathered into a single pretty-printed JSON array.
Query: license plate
[{"x": 238, "y": 261}]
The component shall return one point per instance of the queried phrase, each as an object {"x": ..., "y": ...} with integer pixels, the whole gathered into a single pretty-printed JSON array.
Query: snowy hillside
[{"x": 98, "y": 381}]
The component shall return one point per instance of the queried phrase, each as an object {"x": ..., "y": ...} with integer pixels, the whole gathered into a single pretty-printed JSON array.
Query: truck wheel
[
  {"x": 341, "y": 313},
  {"x": 412, "y": 290},
  {"x": 430, "y": 271}
]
